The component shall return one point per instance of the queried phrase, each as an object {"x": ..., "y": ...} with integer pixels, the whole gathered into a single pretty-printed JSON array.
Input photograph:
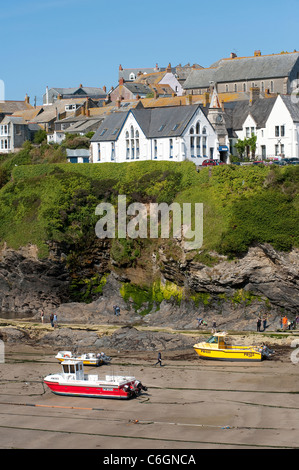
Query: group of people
[
  {"x": 259, "y": 323},
  {"x": 286, "y": 324}
]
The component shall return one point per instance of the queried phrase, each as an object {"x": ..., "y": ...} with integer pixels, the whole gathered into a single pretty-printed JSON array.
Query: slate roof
[
  {"x": 155, "y": 122},
  {"x": 110, "y": 128},
  {"x": 88, "y": 91},
  {"x": 10, "y": 107},
  {"x": 237, "y": 112},
  {"x": 243, "y": 68},
  {"x": 293, "y": 107}
]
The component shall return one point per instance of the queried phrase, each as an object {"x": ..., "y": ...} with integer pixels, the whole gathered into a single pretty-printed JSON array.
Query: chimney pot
[
  {"x": 233, "y": 55},
  {"x": 121, "y": 81},
  {"x": 257, "y": 53},
  {"x": 104, "y": 88}
]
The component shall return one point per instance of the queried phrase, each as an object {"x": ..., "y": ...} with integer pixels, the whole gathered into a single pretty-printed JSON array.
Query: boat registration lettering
[
  {"x": 249, "y": 354},
  {"x": 108, "y": 389}
]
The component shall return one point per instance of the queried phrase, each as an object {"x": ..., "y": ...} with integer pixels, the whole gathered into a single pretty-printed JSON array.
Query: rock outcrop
[{"x": 232, "y": 292}]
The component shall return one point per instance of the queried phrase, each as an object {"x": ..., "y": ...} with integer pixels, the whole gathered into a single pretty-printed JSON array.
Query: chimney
[
  {"x": 80, "y": 86},
  {"x": 27, "y": 99},
  {"x": 257, "y": 53},
  {"x": 206, "y": 99},
  {"x": 137, "y": 97},
  {"x": 168, "y": 68},
  {"x": 118, "y": 103},
  {"x": 120, "y": 68},
  {"x": 121, "y": 81},
  {"x": 254, "y": 95},
  {"x": 233, "y": 55},
  {"x": 104, "y": 88},
  {"x": 188, "y": 100}
]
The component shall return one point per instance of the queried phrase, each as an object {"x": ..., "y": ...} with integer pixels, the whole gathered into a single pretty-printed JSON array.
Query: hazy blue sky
[{"x": 67, "y": 42}]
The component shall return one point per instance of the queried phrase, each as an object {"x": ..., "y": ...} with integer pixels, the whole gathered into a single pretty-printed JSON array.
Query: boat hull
[
  {"x": 86, "y": 362},
  {"x": 90, "y": 391},
  {"x": 228, "y": 354}
]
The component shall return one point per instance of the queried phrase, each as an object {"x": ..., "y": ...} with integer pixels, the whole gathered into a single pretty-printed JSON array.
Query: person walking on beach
[
  {"x": 214, "y": 327},
  {"x": 258, "y": 324},
  {"x": 265, "y": 323},
  {"x": 52, "y": 320},
  {"x": 159, "y": 361}
]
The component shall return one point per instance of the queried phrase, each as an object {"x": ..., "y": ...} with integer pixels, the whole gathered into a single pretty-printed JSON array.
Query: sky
[{"x": 66, "y": 43}]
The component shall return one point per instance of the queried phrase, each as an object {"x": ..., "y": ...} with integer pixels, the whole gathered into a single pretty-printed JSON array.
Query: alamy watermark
[
  {"x": 2, "y": 352},
  {"x": 295, "y": 354},
  {"x": 295, "y": 91},
  {"x": 152, "y": 220}
]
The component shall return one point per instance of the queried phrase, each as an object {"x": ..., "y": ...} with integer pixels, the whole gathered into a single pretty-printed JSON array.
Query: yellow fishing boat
[{"x": 218, "y": 348}]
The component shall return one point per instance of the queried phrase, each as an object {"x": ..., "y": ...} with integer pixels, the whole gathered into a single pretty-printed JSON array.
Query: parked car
[
  {"x": 209, "y": 163},
  {"x": 288, "y": 161}
]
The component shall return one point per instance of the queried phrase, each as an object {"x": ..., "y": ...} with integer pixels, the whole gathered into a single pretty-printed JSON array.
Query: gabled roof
[
  {"x": 110, "y": 128},
  {"x": 237, "y": 112},
  {"x": 154, "y": 122},
  {"x": 88, "y": 91},
  {"x": 10, "y": 107},
  {"x": 292, "y": 106},
  {"x": 243, "y": 68}
]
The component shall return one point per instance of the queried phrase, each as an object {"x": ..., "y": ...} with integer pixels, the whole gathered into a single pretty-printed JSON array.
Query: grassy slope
[{"x": 242, "y": 205}]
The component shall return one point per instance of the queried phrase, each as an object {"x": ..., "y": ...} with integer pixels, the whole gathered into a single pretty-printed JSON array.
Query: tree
[{"x": 40, "y": 136}]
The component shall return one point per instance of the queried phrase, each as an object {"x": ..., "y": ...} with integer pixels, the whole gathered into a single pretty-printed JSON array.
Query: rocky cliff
[{"x": 231, "y": 292}]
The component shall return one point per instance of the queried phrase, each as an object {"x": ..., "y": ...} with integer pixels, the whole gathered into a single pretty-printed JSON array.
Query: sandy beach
[{"x": 190, "y": 403}]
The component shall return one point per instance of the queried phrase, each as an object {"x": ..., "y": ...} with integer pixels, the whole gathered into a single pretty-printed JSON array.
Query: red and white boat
[{"x": 73, "y": 382}]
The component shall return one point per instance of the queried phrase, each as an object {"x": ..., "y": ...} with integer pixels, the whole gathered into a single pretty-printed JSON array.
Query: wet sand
[{"x": 190, "y": 404}]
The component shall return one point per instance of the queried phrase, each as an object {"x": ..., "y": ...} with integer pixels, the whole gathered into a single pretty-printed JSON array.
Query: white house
[
  {"x": 175, "y": 133},
  {"x": 275, "y": 122}
]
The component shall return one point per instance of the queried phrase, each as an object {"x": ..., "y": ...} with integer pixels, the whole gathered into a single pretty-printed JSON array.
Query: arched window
[
  {"x": 127, "y": 145},
  {"x": 197, "y": 128},
  {"x": 132, "y": 76},
  {"x": 137, "y": 143}
]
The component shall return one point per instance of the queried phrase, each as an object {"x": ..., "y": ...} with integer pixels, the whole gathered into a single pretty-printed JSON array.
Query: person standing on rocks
[
  {"x": 55, "y": 321},
  {"x": 52, "y": 320},
  {"x": 42, "y": 316},
  {"x": 258, "y": 324}
]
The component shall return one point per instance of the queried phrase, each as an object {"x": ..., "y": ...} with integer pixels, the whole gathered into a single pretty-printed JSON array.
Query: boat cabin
[
  {"x": 73, "y": 369},
  {"x": 219, "y": 340}
]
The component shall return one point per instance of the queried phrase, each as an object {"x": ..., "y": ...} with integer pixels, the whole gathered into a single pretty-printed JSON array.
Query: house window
[
  {"x": 282, "y": 131},
  {"x": 155, "y": 149},
  {"x": 244, "y": 87},
  {"x": 282, "y": 149},
  {"x": 276, "y": 131},
  {"x": 276, "y": 150},
  {"x": 127, "y": 146},
  {"x": 137, "y": 144},
  {"x": 272, "y": 87},
  {"x": 226, "y": 88},
  {"x": 132, "y": 76},
  {"x": 247, "y": 130},
  {"x": 99, "y": 152},
  {"x": 170, "y": 148},
  {"x": 112, "y": 151},
  {"x": 263, "y": 87}
]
